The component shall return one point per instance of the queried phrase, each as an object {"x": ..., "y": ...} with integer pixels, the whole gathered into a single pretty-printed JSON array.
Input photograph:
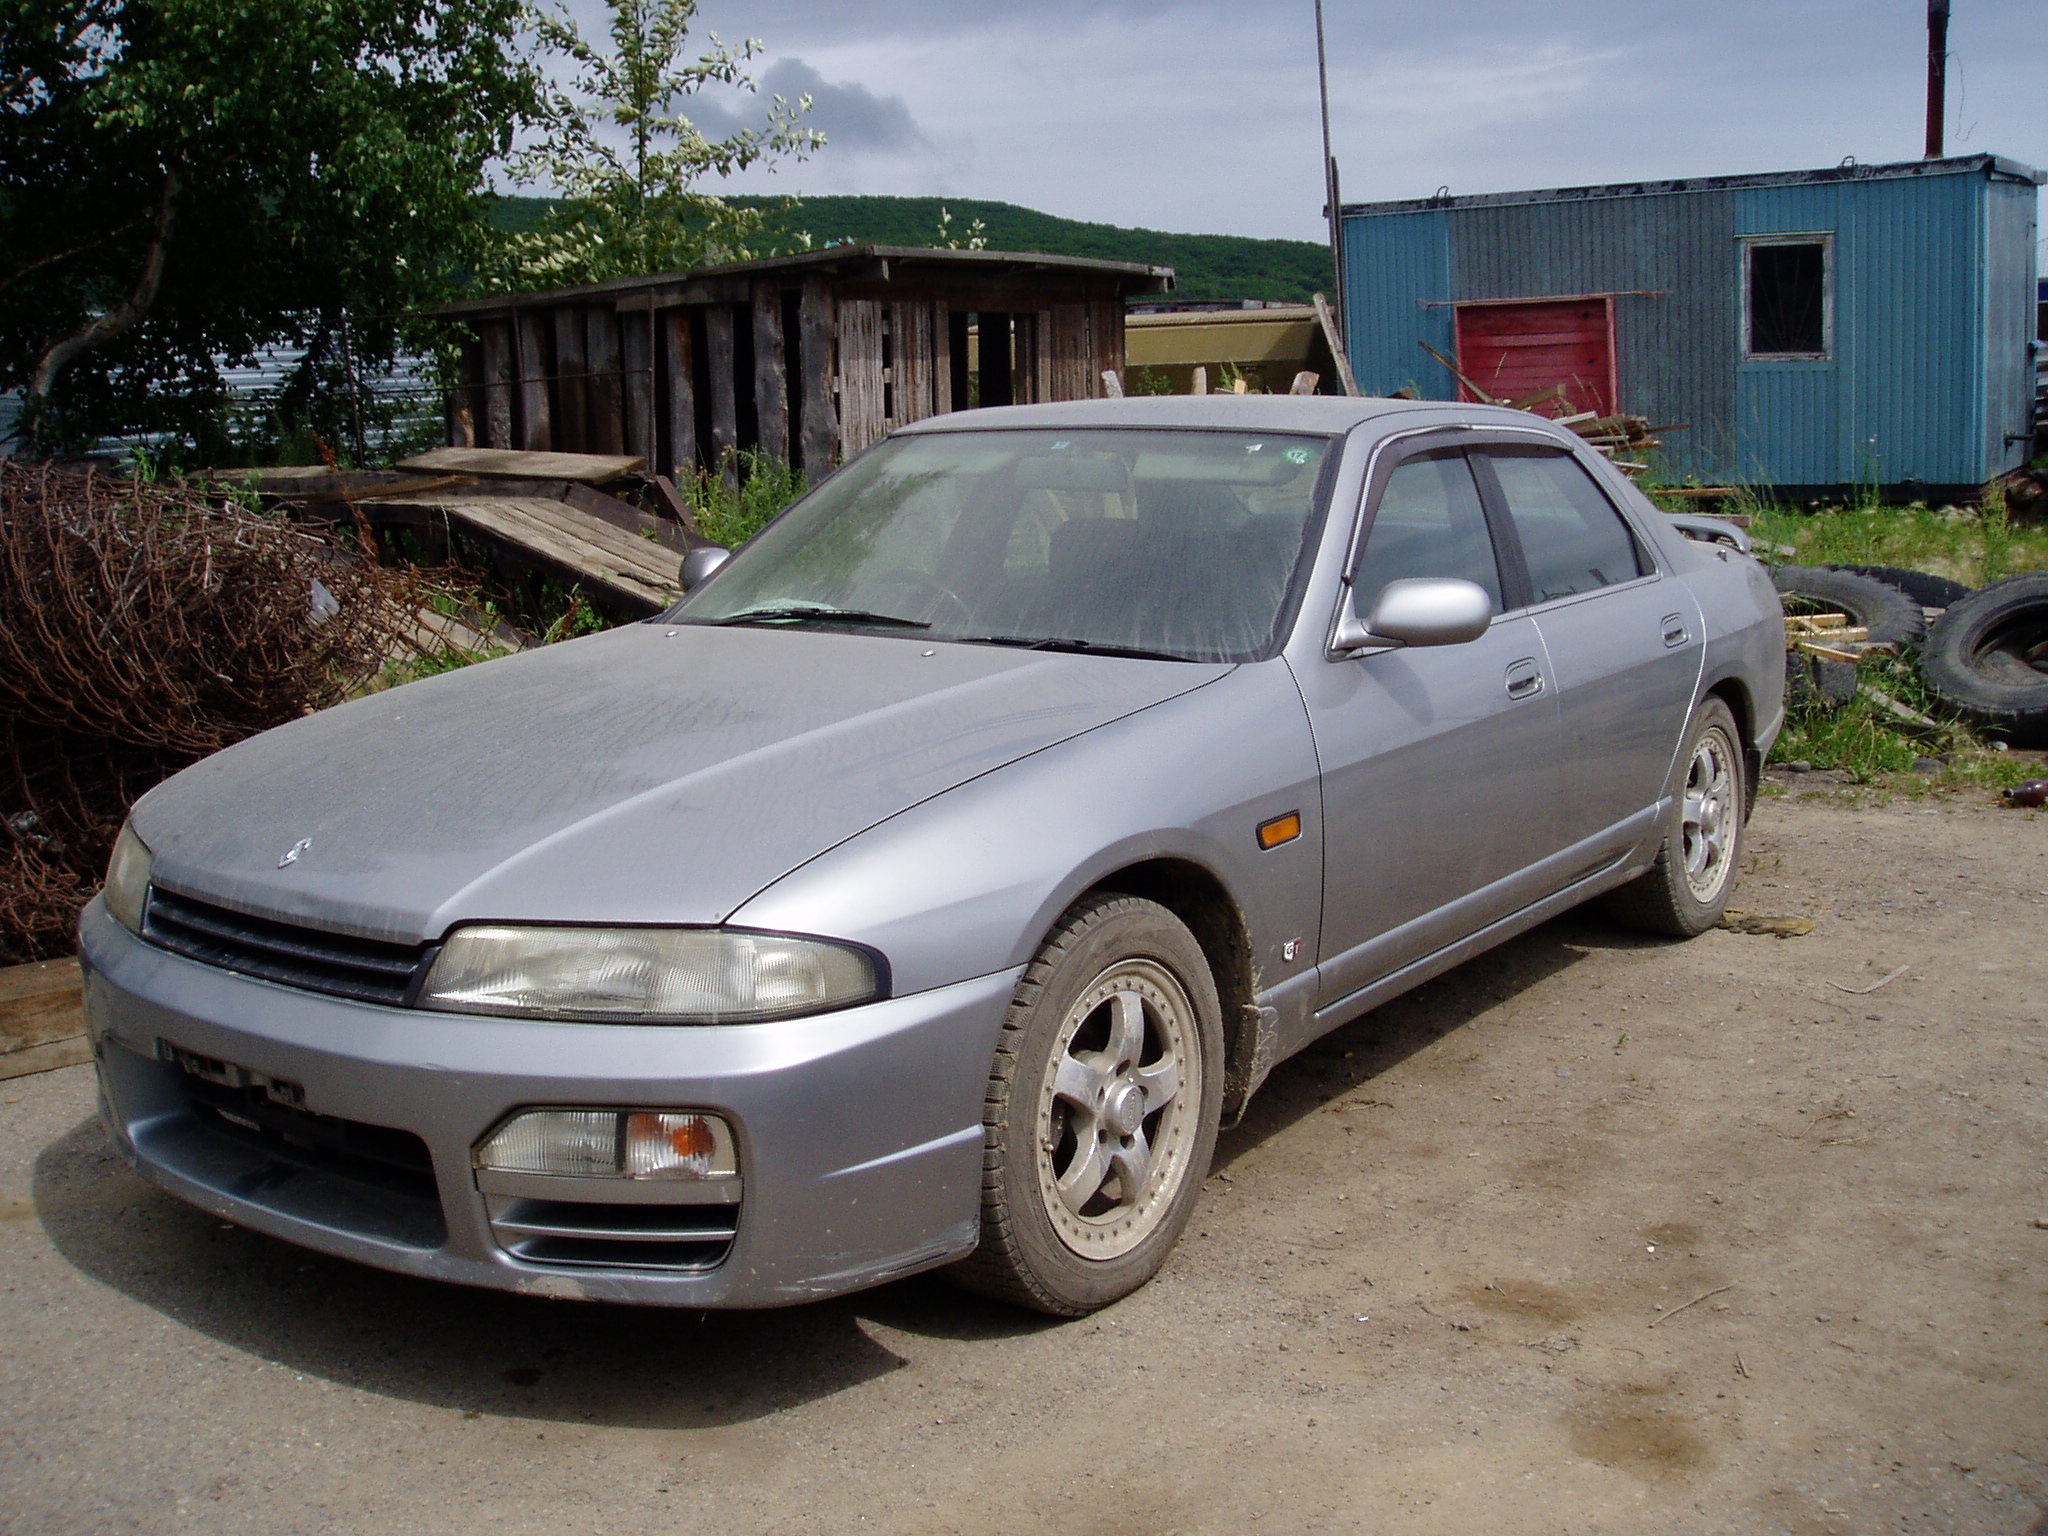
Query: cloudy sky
[{"x": 1200, "y": 115}]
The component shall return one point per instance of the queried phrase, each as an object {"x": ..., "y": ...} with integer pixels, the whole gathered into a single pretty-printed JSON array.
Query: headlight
[
  {"x": 127, "y": 879},
  {"x": 645, "y": 975}
]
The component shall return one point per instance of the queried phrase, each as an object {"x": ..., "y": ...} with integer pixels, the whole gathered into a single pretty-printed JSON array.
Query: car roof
[{"x": 1329, "y": 414}]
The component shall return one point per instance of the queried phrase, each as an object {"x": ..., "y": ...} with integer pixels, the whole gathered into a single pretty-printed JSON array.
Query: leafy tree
[
  {"x": 182, "y": 180},
  {"x": 617, "y": 146}
]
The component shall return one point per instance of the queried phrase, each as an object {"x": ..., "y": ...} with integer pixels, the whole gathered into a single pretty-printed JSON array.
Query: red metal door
[{"x": 1516, "y": 348}]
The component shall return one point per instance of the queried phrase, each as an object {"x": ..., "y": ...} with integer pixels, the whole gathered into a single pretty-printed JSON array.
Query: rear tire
[
  {"x": 1101, "y": 1112},
  {"x": 1686, "y": 890}
]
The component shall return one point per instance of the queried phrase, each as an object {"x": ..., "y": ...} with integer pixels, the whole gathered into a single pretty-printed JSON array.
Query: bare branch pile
[{"x": 141, "y": 628}]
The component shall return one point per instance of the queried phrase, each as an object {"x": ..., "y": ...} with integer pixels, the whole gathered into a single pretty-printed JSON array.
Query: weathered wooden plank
[
  {"x": 535, "y": 429},
  {"x": 721, "y": 380},
  {"x": 1106, "y": 334},
  {"x": 39, "y": 1003},
  {"x": 636, "y": 353},
  {"x": 771, "y": 372},
  {"x": 861, "y": 406},
  {"x": 499, "y": 372},
  {"x": 605, "y": 422},
  {"x": 1027, "y": 381},
  {"x": 1067, "y": 371},
  {"x": 42, "y": 1018},
  {"x": 584, "y": 548},
  {"x": 817, "y": 417},
  {"x": 588, "y": 468},
  {"x": 465, "y": 400},
  {"x": 570, "y": 385},
  {"x": 1331, "y": 339},
  {"x": 916, "y": 342},
  {"x": 679, "y": 378},
  {"x": 628, "y": 552}
]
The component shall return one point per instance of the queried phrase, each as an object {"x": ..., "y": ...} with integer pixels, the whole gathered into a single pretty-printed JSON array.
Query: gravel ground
[{"x": 1593, "y": 1235}]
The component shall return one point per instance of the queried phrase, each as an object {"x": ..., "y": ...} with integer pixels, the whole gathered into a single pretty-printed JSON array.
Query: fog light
[{"x": 611, "y": 1144}]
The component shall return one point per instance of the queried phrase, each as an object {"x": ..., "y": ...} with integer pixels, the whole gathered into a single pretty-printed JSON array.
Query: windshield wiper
[
  {"x": 1087, "y": 647},
  {"x": 819, "y": 614}
]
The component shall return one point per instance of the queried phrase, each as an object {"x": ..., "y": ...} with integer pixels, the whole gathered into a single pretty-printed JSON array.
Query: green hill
[{"x": 1208, "y": 268}]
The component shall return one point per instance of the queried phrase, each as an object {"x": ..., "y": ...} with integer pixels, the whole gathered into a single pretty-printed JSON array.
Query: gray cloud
[{"x": 852, "y": 117}]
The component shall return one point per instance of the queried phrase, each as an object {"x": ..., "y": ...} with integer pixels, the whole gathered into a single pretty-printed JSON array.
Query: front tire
[
  {"x": 1101, "y": 1112},
  {"x": 1686, "y": 890}
]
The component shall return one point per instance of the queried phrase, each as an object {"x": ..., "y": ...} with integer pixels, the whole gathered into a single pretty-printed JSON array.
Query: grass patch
[
  {"x": 1872, "y": 748},
  {"x": 1973, "y": 545}
]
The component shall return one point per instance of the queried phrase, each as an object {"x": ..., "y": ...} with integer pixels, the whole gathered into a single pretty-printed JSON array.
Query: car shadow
[
  {"x": 485, "y": 1353},
  {"x": 1354, "y": 1054}
]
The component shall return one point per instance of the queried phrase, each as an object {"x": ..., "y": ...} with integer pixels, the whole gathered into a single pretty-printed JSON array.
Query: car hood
[{"x": 650, "y": 774}]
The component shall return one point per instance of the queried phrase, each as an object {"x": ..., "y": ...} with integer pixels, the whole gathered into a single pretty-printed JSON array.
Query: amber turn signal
[{"x": 1281, "y": 829}]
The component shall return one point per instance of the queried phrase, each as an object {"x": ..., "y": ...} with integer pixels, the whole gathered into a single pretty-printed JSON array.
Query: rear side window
[
  {"x": 1429, "y": 522},
  {"x": 1572, "y": 538}
]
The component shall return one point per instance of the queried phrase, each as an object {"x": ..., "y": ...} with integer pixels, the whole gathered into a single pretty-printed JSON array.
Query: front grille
[
  {"x": 590, "y": 1235},
  {"x": 311, "y": 958}
]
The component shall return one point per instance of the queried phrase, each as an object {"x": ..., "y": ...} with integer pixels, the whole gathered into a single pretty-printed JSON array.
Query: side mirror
[
  {"x": 1416, "y": 610},
  {"x": 700, "y": 563}
]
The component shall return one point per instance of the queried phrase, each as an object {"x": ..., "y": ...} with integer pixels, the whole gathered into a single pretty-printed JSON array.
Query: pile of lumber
[
  {"x": 1623, "y": 438},
  {"x": 530, "y": 515},
  {"x": 1832, "y": 637}
]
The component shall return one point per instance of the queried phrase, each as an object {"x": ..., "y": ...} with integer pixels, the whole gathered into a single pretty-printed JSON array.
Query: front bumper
[{"x": 859, "y": 1132}]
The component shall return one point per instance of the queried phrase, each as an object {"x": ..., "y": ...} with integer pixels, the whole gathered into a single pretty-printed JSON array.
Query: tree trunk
[{"x": 64, "y": 350}]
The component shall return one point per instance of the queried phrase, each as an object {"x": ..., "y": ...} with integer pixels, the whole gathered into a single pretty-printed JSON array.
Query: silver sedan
[{"x": 931, "y": 883}]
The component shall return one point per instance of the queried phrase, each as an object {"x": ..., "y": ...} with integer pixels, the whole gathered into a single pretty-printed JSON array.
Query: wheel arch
[
  {"x": 1735, "y": 694},
  {"x": 1194, "y": 894}
]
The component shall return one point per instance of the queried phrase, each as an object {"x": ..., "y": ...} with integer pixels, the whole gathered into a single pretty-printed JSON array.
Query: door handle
[
  {"x": 1524, "y": 680},
  {"x": 1674, "y": 630}
]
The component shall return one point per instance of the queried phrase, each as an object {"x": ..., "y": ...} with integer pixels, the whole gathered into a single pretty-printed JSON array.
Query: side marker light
[{"x": 1281, "y": 829}]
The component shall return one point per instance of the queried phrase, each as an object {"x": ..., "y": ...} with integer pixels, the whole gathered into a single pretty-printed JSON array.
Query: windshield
[{"x": 1180, "y": 544}]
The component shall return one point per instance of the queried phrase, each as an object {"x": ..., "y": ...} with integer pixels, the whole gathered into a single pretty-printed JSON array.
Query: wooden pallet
[
  {"x": 641, "y": 573},
  {"x": 524, "y": 464},
  {"x": 42, "y": 1018}
]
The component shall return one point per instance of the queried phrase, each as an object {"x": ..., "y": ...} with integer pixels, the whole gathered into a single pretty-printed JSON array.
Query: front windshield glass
[{"x": 1180, "y": 544}]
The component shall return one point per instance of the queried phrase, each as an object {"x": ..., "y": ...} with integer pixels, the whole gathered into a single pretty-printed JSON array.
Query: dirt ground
[{"x": 1743, "y": 1235}]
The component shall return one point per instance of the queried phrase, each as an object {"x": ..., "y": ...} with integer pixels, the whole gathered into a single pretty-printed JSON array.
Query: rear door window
[{"x": 1571, "y": 535}]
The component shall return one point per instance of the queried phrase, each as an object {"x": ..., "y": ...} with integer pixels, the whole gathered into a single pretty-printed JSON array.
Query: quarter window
[
  {"x": 1572, "y": 538},
  {"x": 1429, "y": 523}
]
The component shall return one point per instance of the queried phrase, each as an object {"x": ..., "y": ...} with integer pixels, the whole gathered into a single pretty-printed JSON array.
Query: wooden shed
[{"x": 808, "y": 357}]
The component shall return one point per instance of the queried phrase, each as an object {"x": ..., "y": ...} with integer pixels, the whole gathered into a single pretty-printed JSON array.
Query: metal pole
[
  {"x": 1330, "y": 204},
  {"x": 1937, "y": 73}
]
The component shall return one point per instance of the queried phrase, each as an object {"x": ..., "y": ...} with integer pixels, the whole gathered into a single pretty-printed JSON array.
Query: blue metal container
[{"x": 1811, "y": 330}]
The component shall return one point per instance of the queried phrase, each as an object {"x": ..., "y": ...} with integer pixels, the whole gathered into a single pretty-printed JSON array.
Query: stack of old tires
[{"x": 1983, "y": 654}]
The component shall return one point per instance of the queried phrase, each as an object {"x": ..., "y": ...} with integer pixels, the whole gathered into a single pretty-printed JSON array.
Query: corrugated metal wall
[
  {"x": 1394, "y": 266},
  {"x": 2010, "y": 309},
  {"x": 1900, "y": 397},
  {"x": 1672, "y": 350},
  {"x": 1931, "y": 281}
]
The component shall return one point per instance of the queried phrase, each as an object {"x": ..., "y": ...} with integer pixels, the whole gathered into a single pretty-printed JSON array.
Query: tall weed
[{"x": 731, "y": 510}]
